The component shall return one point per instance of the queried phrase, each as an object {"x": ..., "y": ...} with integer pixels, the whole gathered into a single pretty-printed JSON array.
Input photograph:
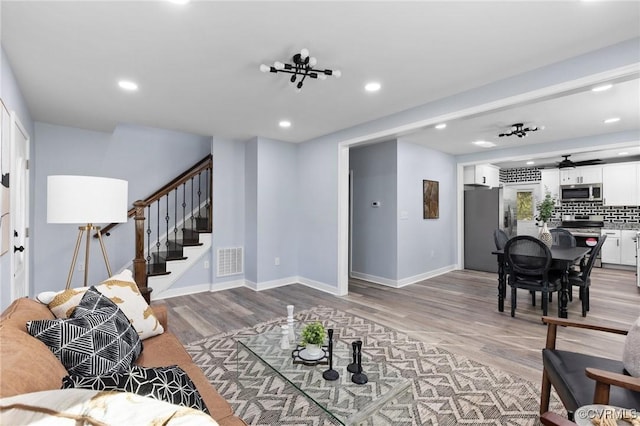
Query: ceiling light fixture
[
  {"x": 374, "y": 86},
  {"x": 519, "y": 130},
  {"x": 602, "y": 88},
  {"x": 127, "y": 85},
  {"x": 612, "y": 120},
  {"x": 180, "y": 2},
  {"x": 484, "y": 144},
  {"x": 302, "y": 66},
  {"x": 441, "y": 126},
  {"x": 285, "y": 124}
]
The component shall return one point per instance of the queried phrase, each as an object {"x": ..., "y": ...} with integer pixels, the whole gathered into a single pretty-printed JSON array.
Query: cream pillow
[
  {"x": 82, "y": 406},
  {"x": 123, "y": 291},
  {"x": 631, "y": 352}
]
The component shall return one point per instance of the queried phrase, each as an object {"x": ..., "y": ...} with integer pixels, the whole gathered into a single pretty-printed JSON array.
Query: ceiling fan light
[
  {"x": 304, "y": 53},
  {"x": 278, "y": 65},
  {"x": 313, "y": 61},
  {"x": 264, "y": 68},
  {"x": 337, "y": 73}
]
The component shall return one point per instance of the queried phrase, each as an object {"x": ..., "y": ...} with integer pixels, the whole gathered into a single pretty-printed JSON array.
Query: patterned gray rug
[{"x": 446, "y": 389}]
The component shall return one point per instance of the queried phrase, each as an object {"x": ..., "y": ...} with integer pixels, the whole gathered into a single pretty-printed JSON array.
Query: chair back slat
[
  {"x": 586, "y": 271},
  {"x": 528, "y": 255}
]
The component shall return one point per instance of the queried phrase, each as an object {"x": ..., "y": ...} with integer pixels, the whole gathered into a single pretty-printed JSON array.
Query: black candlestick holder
[
  {"x": 330, "y": 374},
  {"x": 353, "y": 367},
  {"x": 359, "y": 377}
]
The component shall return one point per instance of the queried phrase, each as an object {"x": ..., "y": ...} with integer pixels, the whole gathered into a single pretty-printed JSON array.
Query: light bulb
[
  {"x": 264, "y": 68},
  {"x": 322, "y": 76},
  {"x": 304, "y": 53},
  {"x": 278, "y": 65},
  {"x": 337, "y": 73},
  {"x": 313, "y": 61}
]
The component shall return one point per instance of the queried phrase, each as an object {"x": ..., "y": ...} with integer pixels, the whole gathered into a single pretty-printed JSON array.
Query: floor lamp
[{"x": 86, "y": 200}]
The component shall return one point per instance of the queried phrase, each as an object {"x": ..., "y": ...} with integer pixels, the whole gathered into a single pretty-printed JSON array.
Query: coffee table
[{"x": 343, "y": 400}]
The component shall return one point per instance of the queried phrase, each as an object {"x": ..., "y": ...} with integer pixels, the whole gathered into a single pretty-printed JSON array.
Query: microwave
[{"x": 586, "y": 192}]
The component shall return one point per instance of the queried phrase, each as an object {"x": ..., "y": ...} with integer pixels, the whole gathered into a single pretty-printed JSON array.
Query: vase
[
  {"x": 313, "y": 350},
  {"x": 545, "y": 235}
]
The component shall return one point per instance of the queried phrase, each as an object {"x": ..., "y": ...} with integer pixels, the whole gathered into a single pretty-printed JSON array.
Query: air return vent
[{"x": 229, "y": 261}]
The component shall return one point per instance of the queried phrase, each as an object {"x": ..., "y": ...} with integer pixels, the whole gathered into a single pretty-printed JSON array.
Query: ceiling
[{"x": 197, "y": 65}]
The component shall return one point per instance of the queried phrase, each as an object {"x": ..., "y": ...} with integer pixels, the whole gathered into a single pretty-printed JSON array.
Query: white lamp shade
[{"x": 86, "y": 199}]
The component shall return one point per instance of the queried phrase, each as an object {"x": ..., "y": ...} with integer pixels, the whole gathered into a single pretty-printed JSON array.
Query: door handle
[{"x": 20, "y": 249}]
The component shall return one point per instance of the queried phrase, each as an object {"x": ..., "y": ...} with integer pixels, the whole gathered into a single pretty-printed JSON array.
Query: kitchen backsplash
[{"x": 618, "y": 217}]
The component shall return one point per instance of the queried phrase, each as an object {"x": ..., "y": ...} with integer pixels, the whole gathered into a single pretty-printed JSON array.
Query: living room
[{"x": 276, "y": 195}]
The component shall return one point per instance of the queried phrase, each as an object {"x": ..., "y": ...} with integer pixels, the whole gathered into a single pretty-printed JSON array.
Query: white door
[{"x": 19, "y": 211}]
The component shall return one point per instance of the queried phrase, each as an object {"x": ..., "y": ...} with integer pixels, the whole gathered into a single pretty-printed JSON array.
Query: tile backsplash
[{"x": 615, "y": 217}]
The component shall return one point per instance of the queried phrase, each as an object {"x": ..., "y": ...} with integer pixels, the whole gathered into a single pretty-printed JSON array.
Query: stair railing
[{"x": 184, "y": 204}]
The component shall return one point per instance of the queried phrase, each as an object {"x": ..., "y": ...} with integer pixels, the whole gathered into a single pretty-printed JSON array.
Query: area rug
[{"x": 446, "y": 388}]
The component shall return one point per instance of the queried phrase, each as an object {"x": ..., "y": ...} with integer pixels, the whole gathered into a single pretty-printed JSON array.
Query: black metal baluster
[
  {"x": 199, "y": 194},
  {"x": 158, "y": 229},
  {"x": 175, "y": 216},
  {"x": 148, "y": 237},
  {"x": 192, "y": 208},
  {"x": 184, "y": 205},
  {"x": 166, "y": 219}
]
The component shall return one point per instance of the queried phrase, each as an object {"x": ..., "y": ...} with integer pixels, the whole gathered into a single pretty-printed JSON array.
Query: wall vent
[{"x": 230, "y": 261}]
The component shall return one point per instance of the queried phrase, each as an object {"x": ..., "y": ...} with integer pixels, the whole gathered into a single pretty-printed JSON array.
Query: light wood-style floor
[{"x": 457, "y": 311}]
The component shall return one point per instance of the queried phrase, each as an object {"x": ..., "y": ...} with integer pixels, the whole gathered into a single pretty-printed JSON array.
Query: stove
[{"x": 586, "y": 230}]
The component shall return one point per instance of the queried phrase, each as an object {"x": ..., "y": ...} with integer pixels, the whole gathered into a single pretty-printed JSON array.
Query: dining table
[{"x": 562, "y": 258}]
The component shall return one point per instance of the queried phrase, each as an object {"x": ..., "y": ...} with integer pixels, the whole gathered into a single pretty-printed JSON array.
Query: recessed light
[
  {"x": 530, "y": 163},
  {"x": 284, "y": 124},
  {"x": 127, "y": 85},
  {"x": 612, "y": 120},
  {"x": 623, "y": 153},
  {"x": 179, "y": 1},
  {"x": 373, "y": 86},
  {"x": 441, "y": 126},
  {"x": 484, "y": 144},
  {"x": 602, "y": 88}
]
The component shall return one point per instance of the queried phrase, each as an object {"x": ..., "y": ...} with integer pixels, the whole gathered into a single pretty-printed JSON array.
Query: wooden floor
[{"x": 457, "y": 311}]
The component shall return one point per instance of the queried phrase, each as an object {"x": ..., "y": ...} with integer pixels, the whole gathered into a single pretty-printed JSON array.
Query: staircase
[{"x": 172, "y": 228}]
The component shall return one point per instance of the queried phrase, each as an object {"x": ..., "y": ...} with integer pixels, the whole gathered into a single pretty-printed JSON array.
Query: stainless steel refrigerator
[{"x": 484, "y": 211}]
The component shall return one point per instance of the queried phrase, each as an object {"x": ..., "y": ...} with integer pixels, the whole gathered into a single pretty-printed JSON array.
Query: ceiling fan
[{"x": 566, "y": 163}]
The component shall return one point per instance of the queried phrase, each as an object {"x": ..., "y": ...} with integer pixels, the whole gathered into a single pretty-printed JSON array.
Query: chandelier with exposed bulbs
[
  {"x": 519, "y": 130},
  {"x": 301, "y": 68}
]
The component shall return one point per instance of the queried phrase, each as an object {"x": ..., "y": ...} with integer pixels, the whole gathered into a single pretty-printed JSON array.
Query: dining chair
[
  {"x": 562, "y": 238},
  {"x": 582, "y": 279},
  {"x": 529, "y": 261},
  {"x": 500, "y": 238}
]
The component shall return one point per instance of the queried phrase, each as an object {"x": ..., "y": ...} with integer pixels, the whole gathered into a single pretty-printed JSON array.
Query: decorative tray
[{"x": 300, "y": 356}]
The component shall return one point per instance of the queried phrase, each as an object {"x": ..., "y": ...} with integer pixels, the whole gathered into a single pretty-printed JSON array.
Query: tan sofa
[{"x": 27, "y": 365}]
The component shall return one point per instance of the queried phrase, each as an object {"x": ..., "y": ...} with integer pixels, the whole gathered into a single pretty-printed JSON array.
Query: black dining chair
[
  {"x": 500, "y": 238},
  {"x": 582, "y": 279},
  {"x": 562, "y": 238},
  {"x": 529, "y": 260}
]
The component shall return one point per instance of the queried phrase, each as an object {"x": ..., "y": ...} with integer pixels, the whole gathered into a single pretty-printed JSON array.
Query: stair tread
[{"x": 156, "y": 274}]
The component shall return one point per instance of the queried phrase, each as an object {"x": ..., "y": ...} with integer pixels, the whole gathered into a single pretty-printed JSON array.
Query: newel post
[{"x": 139, "y": 262}]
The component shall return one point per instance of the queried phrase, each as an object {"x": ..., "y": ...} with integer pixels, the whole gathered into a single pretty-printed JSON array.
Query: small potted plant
[
  {"x": 545, "y": 211},
  {"x": 313, "y": 336}
]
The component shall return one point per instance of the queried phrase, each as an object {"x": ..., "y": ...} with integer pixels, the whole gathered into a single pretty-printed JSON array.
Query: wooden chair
[
  {"x": 581, "y": 379},
  {"x": 553, "y": 419}
]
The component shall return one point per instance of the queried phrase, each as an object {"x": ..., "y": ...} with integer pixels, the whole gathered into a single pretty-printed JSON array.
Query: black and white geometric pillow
[
  {"x": 170, "y": 384},
  {"x": 91, "y": 342}
]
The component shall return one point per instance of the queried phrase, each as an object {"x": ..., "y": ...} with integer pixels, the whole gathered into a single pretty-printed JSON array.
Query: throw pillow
[
  {"x": 91, "y": 342},
  {"x": 123, "y": 291},
  {"x": 88, "y": 407},
  {"x": 170, "y": 384},
  {"x": 631, "y": 351}
]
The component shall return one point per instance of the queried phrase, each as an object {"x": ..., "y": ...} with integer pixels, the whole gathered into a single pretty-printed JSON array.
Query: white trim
[
  {"x": 266, "y": 285},
  {"x": 405, "y": 281},
  {"x": 181, "y": 291},
  {"x": 228, "y": 285},
  {"x": 317, "y": 285},
  {"x": 530, "y": 96}
]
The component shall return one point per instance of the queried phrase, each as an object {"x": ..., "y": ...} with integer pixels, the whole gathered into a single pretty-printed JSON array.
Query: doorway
[{"x": 526, "y": 197}]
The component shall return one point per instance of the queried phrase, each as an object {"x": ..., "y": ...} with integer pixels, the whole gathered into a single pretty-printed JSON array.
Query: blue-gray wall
[
  {"x": 374, "y": 230},
  {"x": 145, "y": 157}
]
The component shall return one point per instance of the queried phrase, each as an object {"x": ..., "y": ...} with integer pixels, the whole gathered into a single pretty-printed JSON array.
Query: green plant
[
  {"x": 313, "y": 334},
  {"x": 546, "y": 207}
]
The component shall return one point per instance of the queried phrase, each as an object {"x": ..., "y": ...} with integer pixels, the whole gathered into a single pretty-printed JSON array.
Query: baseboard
[
  {"x": 405, "y": 281},
  {"x": 317, "y": 285},
  {"x": 228, "y": 285},
  {"x": 181, "y": 291}
]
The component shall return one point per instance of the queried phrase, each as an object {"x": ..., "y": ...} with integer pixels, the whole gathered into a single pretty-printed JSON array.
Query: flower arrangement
[
  {"x": 313, "y": 334},
  {"x": 546, "y": 207}
]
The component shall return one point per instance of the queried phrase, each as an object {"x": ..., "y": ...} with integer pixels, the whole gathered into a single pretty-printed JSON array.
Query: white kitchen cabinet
[
  {"x": 611, "y": 247},
  {"x": 628, "y": 247},
  {"x": 550, "y": 182},
  {"x": 580, "y": 175},
  {"x": 482, "y": 174},
  {"x": 621, "y": 184}
]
